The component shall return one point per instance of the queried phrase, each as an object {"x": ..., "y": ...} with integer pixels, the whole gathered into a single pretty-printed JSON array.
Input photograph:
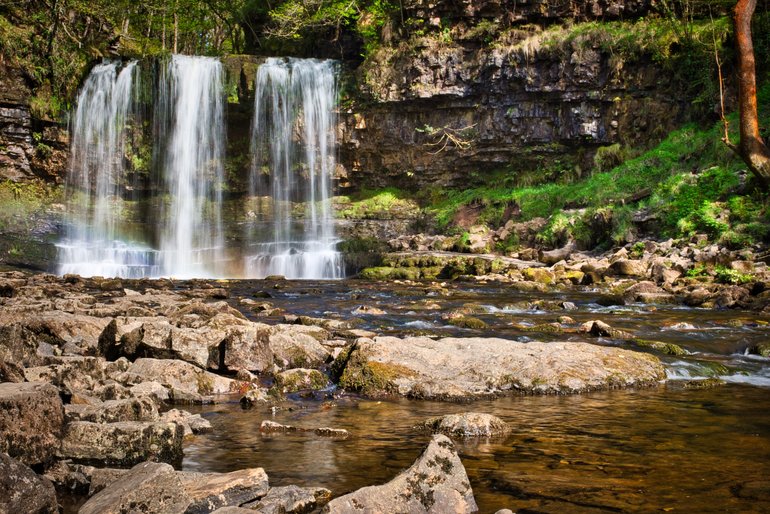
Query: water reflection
[{"x": 619, "y": 451}]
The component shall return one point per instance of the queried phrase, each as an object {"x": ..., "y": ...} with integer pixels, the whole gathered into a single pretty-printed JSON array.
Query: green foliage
[
  {"x": 725, "y": 275},
  {"x": 608, "y": 157},
  {"x": 385, "y": 203}
]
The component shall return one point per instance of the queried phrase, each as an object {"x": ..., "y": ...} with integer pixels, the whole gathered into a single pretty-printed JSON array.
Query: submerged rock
[
  {"x": 467, "y": 368},
  {"x": 468, "y": 424},
  {"x": 21, "y": 490},
  {"x": 436, "y": 483},
  {"x": 31, "y": 421}
]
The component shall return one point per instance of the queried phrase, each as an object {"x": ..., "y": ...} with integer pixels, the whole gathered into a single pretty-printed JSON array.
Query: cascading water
[
  {"x": 293, "y": 145},
  {"x": 174, "y": 227},
  {"x": 94, "y": 243},
  {"x": 192, "y": 92}
]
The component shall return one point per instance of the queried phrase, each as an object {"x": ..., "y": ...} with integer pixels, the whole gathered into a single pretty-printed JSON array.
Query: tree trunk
[
  {"x": 176, "y": 28},
  {"x": 751, "y": 148}
]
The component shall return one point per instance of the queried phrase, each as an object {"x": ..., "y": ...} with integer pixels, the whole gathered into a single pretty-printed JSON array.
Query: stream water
[{"x": 667, "y": 449}]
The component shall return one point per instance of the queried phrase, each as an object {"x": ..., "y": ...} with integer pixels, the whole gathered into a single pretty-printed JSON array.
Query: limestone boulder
[
  {"x": 293, "y": 348},
  {"x": 435, "y": 483},
  {"x": 31, "y": 421},
  {"x": 21, "y": 490},
  {"x": 187, "y": 383},
  {"x": 148, "y": 487},
  {"x": 467, "y": 368},
  {"x": 122, "y": 444},
  {"x": 210, "y": 491}
]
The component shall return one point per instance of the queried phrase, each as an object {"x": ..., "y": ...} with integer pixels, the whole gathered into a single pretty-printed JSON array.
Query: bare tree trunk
[
  {"x": 176, "y": 28},
  {"x": 751, "y": 148}
]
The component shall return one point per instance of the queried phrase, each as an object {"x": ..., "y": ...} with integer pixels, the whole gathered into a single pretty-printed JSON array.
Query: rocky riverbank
[
  {"x": 689, "y": 272},
  {"x": 96, "y": 373}
]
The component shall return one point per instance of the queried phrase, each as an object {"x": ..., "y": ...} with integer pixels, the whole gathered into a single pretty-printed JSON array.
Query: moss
[
  {"x": 371, "y": 378},
  {"x": 205, "y": 383},
  {"x": 762, "y": 349},
  {"x": 540, "y": 275},
  {"x": 667, "y": 348},
  {"x": 377, "y": 273},
  {"x": 300, "y": 379},
  {"x": 468, "y": 322}
]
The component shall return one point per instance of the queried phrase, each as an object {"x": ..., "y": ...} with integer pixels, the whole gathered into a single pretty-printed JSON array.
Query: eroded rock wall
[{"x": 465, "y": 88}]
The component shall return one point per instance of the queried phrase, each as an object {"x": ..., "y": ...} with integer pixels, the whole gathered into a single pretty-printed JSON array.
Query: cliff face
[
  {"x": 29, "y": 148},
  {"x": 477, "y": 87}
]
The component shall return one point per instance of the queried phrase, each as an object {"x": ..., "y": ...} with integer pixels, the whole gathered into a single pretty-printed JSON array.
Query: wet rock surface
[{"x": 468, "y": 424}]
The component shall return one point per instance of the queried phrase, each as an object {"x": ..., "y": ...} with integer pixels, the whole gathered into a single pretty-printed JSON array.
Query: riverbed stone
[
  {"x": 435, "y": 483},
  {"x": 23, "y": 491},
  {"x": 148, "y": 487},
  {"x": 187, "y": 383},
  {"x": 467, "y": 368},
  {"x": 191, "y": 423},
  {"x": 299, "y": 379},
  {"x": 468, "y": 424},
  {"x": 210, "y": 491},
  {"x": 31, "y": 421},
  {"x": 291, "y": 499},
  {"x": 247, "y": 347},
  {"x": 295, "y": 349},
  {"x": 129, "y": 409},
  {"x": 122, "y": 444}
]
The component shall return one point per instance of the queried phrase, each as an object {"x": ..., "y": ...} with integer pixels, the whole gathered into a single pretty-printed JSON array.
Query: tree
[{"x": 751, "y": 148}]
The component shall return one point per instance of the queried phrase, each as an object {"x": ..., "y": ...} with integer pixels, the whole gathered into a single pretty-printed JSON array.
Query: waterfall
[
  {"x": 293, "y": 144},
  {"x": 192, "y": 94},
  {"x": 93, "y": 242}
]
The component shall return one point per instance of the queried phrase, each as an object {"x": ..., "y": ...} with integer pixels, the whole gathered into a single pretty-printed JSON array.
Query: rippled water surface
[{"x": 667, "y": 449}]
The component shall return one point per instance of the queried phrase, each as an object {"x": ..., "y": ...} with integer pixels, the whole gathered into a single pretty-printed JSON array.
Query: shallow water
[{"x": 666, "y": 449}]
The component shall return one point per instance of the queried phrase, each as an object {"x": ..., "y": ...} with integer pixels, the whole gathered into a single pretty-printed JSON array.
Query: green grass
[
  {"x": 689, "y": 178},
  {"x": 385, "y": 203}
]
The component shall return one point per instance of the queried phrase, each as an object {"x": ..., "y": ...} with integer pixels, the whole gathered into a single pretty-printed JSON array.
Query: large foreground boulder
[
  {"x": 435, "y": 483},
  {"x": 155, "y": 488},
  {"x": 22, "y": 491},
  {"x": 122, "y": 444},
  {"x": 148, "y": 487},
  {"x": 31, "y": 421},
  {"x": 467, "y": 368}
]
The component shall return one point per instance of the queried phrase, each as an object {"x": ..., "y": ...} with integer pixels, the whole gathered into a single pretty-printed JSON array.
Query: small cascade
[
  {"x": 192, "y": 98},
  {"x": 93, "y": 242},
  {"x": 293, "y": 144}
]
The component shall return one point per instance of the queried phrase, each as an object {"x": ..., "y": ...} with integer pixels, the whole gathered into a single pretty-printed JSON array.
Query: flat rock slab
[
  {"x": 291, "y": 499},
  {"x": 435, "y": 483},
  {"x": 155, "y": 488},
  {"x": 31, "y": 421},
  {"x": 148, "y": 487},
  {"x": 469, "y": 368},
  {"x": 210, "y": 491},
  {"x": 122, "y": 444},
  {"x": 21, "y": 490}
]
